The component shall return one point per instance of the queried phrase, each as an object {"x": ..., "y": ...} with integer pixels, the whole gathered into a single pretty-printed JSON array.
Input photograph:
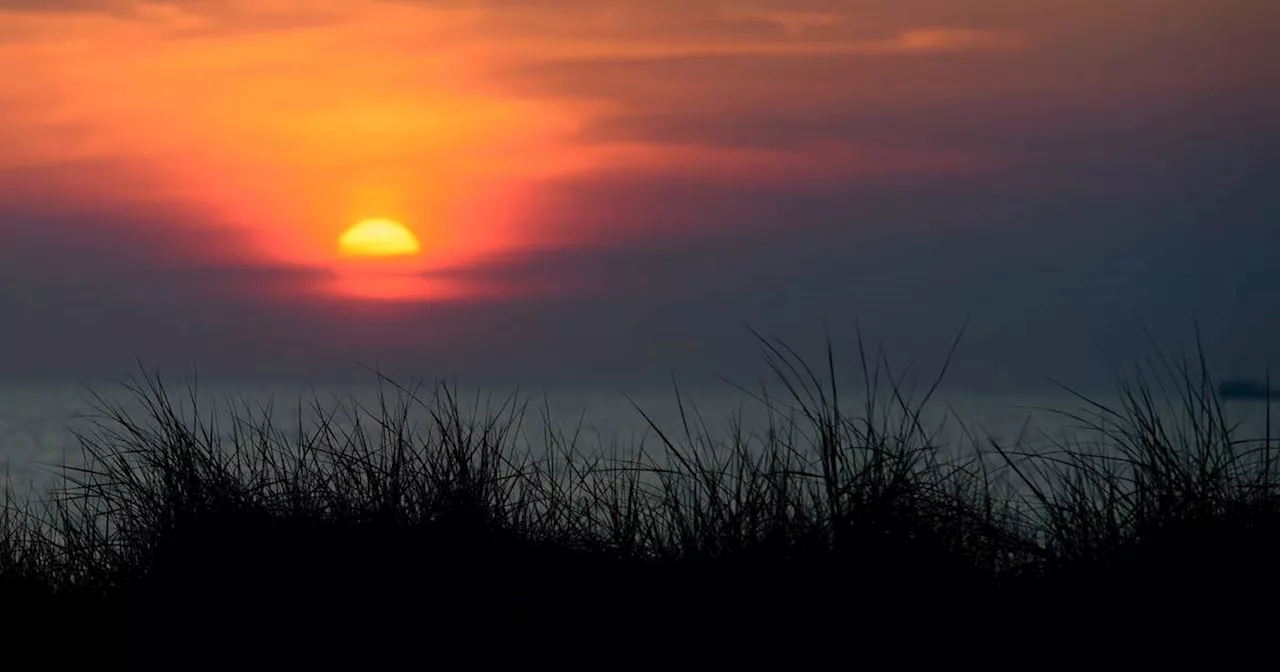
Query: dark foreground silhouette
[{"x": 182, "y": 542}]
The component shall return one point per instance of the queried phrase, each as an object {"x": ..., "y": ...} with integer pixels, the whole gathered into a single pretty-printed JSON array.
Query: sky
[{"x": 618, "y": 191}]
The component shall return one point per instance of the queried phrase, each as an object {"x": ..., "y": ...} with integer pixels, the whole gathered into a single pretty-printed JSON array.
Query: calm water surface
[{"x": 39, "y": 422}]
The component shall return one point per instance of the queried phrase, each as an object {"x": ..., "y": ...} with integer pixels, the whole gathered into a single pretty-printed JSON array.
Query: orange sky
[{"x": 287, "y": 121}]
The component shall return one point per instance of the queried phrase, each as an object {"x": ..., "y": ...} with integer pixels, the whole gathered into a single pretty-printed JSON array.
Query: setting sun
[{"x": 378, "y": 238}]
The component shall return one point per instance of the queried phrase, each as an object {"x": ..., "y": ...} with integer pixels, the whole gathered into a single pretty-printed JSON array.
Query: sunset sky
[{"x": 612, "y": 190}]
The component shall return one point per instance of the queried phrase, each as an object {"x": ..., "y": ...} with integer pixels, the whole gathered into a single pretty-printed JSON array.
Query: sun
[{"x": 378, "y": 238}]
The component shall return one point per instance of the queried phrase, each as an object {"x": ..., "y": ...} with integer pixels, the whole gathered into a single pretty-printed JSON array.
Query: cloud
[
  {"x": 793, "y": 23},
  {"x": 533, "y": 30},
  {"x": 61, "y": 5},
  {"x": 629, "y": 182},
  {"x": 1049, "y": 283},
  {"x": 918, "y": 41},
  {"x": 277, "y": 133},
  {"x": 953, "y": 40}
]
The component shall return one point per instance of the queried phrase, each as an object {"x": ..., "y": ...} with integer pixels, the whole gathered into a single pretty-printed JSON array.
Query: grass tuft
[{"x": 186, "y": 526}]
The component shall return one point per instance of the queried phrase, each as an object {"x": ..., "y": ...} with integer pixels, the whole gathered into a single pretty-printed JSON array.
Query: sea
[{"x": 43, "y": 425}]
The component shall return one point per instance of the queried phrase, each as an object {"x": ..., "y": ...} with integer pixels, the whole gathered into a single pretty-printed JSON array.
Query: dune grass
[{"x": 183, "y": 523}]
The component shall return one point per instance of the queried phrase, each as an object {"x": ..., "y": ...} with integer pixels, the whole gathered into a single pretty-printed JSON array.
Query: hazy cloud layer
[{"x": 620, "y": 187}]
